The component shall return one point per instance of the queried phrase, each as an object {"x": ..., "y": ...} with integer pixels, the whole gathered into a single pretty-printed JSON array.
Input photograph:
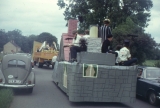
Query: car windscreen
[
  {"x": 152, "y": 73},
  {"x": 16, "y": 63},
  {"x": 21, "y": 64},
  {"x": 12, "y": 63}
]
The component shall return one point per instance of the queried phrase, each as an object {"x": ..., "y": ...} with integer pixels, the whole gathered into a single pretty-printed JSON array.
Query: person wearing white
[
  {"x": 76, "y": 39},
  {"x": 53, "y": 61},
  {"x": 75, "y": 47},
  {"x": 78, "y": 44},
  {"x": 125, "y": 56},
  {"x": 86, "y": 34},
  {"x": 117, "y": 50}
]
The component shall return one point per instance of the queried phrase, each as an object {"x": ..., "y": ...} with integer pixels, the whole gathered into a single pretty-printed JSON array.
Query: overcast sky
[{"x": 37, "y": 16}]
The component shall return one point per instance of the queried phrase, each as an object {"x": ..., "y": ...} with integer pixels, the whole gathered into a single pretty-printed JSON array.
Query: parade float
[{"x": 94, "y": 77}]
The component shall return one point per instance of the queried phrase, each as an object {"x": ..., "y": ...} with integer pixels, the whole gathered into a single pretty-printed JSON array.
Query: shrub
[
  {"x": 157, "y": 64},
  {"x": 6, "y": 96},
  {"x": 149, "y": 63}
]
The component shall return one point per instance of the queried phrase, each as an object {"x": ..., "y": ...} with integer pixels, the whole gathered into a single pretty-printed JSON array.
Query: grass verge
[
  {"x": 151, "y": 63},
  {"x": 6, "y": 96}
]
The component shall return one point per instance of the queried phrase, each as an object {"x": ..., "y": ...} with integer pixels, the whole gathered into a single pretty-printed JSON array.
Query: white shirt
[
  {"x": 76, "y": 42},
  {"x": 117, "y": 59},
  {"x": 86, "y": 36},
  {"x": 54, "y": 59},
  {"x": 124, "y": 54}
]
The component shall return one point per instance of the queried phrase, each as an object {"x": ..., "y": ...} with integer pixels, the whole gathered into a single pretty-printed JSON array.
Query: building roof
[{"x": 13, "y": 43}]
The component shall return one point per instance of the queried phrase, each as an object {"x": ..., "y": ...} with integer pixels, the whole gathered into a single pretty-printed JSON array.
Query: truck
[{"x": 43, "y": 56}]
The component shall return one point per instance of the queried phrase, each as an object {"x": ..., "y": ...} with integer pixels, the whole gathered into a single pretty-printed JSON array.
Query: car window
[
  {"x": 153, "y": 73},
  {"x": 21, "y": 64},
  {"x": 12, "y": 63},
  {"x": 15, "y": 63},
  {"x": 140, "y": 72}
]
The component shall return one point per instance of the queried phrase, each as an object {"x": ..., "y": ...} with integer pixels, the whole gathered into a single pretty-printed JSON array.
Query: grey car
[{"x": 16, "y": 72}]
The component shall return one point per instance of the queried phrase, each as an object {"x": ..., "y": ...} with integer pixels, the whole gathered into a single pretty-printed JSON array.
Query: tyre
[
  {"x": 35, "y": 62},
  {"x": 152, "y": 98},
  {"x": 40, "y": 65},
  {"x": 30, "y": 90}
]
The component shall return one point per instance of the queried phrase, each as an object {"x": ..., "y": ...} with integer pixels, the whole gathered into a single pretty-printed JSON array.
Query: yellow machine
[{"x": 43, "y": 54}]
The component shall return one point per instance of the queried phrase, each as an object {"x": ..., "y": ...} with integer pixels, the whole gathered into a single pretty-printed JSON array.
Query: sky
[{"x": 37, "y": 16}]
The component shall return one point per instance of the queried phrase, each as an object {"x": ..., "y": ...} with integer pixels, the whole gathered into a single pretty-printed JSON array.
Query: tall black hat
[{"x": 109, "y": 36}]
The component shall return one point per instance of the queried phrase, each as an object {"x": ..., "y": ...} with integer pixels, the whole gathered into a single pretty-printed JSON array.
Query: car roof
[
  {"x": 23, "y": 54},
  {"x": 21, "y": 57},
  {"x": 146, "y": 67}
]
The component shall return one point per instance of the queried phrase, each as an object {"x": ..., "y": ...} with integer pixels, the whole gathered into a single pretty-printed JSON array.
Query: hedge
[{"x": 6, "y": 96}]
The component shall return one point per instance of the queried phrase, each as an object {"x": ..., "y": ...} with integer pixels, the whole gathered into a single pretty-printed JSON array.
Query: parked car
[
  {"x": 148, "y": 84},
  {"x": 16, "y": 72},
  {"x": 32, "y": 62}
]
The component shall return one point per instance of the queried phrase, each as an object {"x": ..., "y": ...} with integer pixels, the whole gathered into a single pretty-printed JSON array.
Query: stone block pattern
[
  {"x": 113, "y": 84},
  {"x": 66, "y": 42},
  {"x": 94, "y": 45},
  {"x": 98, "y": 58},
  {"x": 60, "y": 74}
]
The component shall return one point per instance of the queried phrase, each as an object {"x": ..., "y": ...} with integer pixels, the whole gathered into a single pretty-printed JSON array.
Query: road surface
[{"x": 47, "y": 95}]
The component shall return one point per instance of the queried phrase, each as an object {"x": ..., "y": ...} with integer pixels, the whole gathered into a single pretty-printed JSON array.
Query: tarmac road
[{"x": 47, "y": 95}]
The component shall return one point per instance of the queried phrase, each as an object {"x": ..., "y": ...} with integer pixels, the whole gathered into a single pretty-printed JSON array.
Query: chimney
[{"x": 72, "y": 25}]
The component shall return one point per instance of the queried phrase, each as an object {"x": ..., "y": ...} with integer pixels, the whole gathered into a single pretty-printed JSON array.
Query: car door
[{"x": 140, "y": 81}]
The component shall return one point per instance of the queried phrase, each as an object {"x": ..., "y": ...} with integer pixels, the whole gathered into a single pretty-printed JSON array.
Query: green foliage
[
  {"x": 141, "y": 47},
  {"x": 155, "y": 54},
  {"x": 19, "y": 39},
  {"x": 150, "y": 63},
  {"x": 26, "y": 43},
  {"x": 47, "y": 37},
  {"x": 6, "y": 96},
  {"x": 157, "y": 64},
  {"x": 94, "y": 11},
  {"x": 4, "y": 39},
  {"x": 131, "y": 19},
  {"x": 154, "y": 63}
]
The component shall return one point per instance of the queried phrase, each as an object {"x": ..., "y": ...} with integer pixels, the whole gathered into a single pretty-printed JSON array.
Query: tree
[
  {"x": 15, "y": 36},
  {"x": 19, "y": 39},
  {"x": 94, "y": 11},
  {"x": 142, "y": 46},
  {"x": 4, "y": 39},
  {"x": 131, "y": 19},
  {"x": 31, "y": 39},
  {"x": 26, "y": 43}
]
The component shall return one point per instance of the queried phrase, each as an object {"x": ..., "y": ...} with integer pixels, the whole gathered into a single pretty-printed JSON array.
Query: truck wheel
[
  {"x": 40, "y": 65},
  {"x": 152, "y": 98},
  {"x": 35, "y": 63}
]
